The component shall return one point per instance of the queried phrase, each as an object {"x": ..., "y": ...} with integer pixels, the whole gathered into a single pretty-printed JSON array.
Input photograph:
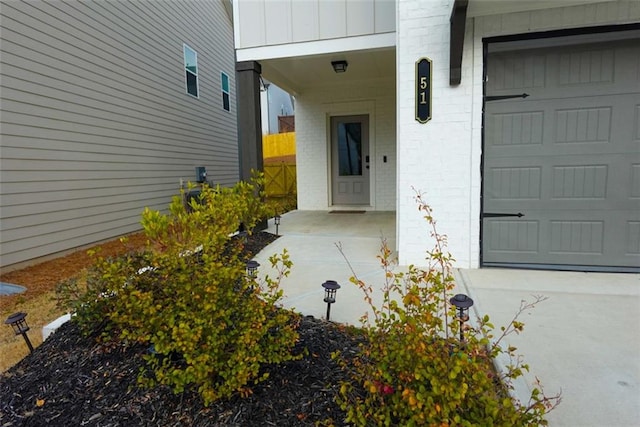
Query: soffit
[{"x": 301, "y": 73}]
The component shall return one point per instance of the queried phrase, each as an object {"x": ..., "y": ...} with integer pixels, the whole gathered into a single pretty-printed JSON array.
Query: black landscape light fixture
[
  {"x": 276, "y": 220},
  {"x": 252, "y": 269},
  {"x": 462, "y": 304},
  {"x": 339, "y": 66},
  {"x": 330, "y": 289},
  {"x": 20, "y": 326}
]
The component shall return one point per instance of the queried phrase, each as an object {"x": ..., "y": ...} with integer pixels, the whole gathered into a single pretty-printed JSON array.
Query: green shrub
[
  {"x": 413, "y": 370},
  {"x": 281, "y": 205},
  {"x": 188, "y": 298}
]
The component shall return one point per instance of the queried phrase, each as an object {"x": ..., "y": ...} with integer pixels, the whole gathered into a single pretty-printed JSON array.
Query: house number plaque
[{"x": 423, "y": 90}]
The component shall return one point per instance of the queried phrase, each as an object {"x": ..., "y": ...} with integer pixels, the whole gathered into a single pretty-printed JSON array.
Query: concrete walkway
[{"x": 583, "y": 340}]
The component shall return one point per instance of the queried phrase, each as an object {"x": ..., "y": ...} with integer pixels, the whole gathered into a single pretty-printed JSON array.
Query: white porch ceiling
[{"x": 295, "y": 75}]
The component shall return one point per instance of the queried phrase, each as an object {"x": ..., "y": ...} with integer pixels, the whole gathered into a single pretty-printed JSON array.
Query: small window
[
  {"x": 225, "y": 91},
  {"x": 191, "y": 70}
]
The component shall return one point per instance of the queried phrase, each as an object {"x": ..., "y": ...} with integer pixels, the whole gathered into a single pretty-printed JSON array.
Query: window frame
[
  {"x": 226, "y": 102},
  {"x": 188, "y": 72}
]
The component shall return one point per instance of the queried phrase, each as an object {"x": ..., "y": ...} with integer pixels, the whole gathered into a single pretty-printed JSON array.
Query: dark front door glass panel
[{"x": 350, "y": 149}]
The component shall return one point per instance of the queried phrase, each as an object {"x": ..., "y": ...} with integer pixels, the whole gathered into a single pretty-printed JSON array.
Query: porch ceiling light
[{"x": 339, "y": 66}]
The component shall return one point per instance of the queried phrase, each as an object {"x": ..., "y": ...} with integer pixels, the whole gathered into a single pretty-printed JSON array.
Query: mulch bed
[{"x": 73, "y": 380}]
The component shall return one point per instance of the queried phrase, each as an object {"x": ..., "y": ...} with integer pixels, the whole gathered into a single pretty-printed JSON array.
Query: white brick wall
[
  {"x": 313, "y": 109},
  {"x": 442, "y": 158},
  {"x": 434, "y": 158}
]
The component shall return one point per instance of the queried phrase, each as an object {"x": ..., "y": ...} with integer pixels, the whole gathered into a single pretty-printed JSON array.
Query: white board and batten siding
[
  {"x": 96, "y": 123},
  {"x": 268, "y": 22}
]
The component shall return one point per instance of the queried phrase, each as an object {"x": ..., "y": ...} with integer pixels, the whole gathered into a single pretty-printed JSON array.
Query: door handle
[
  {"x": 501, "y": 215},
  {"x": 501, "y": 97}
]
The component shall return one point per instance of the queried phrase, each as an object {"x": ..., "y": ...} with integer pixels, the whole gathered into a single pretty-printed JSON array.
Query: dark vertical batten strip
[{"x": 457, "y": 24}]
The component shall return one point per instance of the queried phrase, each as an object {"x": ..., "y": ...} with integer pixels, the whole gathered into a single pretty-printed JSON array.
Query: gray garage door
[{"x": 567, "y": 157}]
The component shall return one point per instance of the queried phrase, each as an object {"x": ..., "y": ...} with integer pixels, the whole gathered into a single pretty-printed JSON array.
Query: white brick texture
[{"x": 434, "y": 158}]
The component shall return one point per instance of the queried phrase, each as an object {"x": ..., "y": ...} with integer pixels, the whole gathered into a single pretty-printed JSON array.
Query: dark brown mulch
[{"x": 72, "y": 380}]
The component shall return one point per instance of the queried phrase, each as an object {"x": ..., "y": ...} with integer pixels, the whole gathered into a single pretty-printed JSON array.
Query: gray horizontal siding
[{"x": 96, "y": 123}]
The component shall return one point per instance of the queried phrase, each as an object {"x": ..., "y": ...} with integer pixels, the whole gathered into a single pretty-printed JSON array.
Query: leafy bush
[
  {"x": 188, "y": 297},
  {"x": 412, "y": 370},
  {"x": 281, "y": 205}
]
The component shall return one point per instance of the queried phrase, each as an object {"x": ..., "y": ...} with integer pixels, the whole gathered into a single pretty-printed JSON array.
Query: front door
[{"x": 350, "y": 160}]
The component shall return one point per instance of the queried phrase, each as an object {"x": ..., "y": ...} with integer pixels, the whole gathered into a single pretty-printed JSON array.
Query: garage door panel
[
  {"x": 634, "y": 189},
  {"x": 515, "y": 183},
  {"x": 567, "y": 157},
  {"x": 543, "y": 238},
  {"x": 576, "y": 237},
  {"x": 564, "y": 182},
  {"x": 624, "y": 178},
  {"x": 570, "y": 182},
  {"x": 581, "y": 125},
  {"x": 511, "y": 236},
  {"x": 565, "y": 71},
  {"x": 585, "y": 66},
  {"x": 514, "y": 72},
  {"x": 633, "y": 239},
  {"x": 621, "y": 237},
  {"x": 516, "y": 129}
]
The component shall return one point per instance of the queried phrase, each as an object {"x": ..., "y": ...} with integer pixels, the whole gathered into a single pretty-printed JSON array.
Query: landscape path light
[
  {"x": 252, "y": 269},
  {"x": 330, "y": 289},
  {"x": 276, "y": 220},
  {"x": 20, "y": 326},
  {"x": 462, "y": 304}
]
